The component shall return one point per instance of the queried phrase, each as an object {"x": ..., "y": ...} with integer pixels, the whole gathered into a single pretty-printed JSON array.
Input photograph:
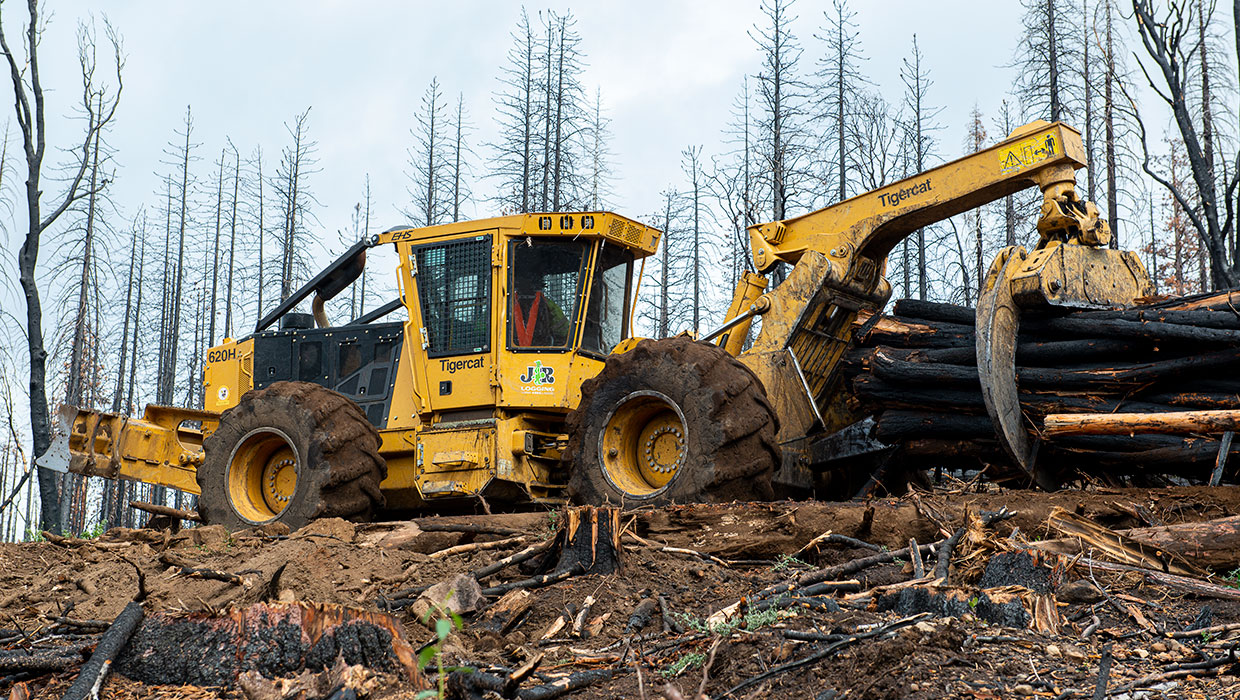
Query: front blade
[{"x": 998, "y": 321}]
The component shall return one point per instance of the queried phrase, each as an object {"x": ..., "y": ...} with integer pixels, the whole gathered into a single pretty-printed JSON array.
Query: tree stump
[
  {"x": 589, "y": 540},
  {"x": 272, "y": 639}
]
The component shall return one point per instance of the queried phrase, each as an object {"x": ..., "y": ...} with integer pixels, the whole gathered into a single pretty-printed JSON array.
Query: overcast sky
[{"x": 668, "y": 71}]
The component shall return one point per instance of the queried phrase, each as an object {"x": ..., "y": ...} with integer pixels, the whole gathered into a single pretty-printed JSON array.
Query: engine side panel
[{"x": 357, "y": 361}]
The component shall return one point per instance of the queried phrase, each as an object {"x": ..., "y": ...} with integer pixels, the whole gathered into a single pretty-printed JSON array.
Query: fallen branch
[
  {"x": 475, "y": 683},
  {"x": 846, "y": 569},
  {"x": 37, "y": 663},
  {"x": 476, "y": 547},
  {"x": 829, "y": 536},
  {"x": 184, "y": 569},
  {"x": 470, "y": 528},
  {"x": 665, "y": 549},
  {"x": 174, "y": 513},
  {"x": 527, "y": 553},
  {"x": 534, "y": 582},
  {"x": 1104, "y": 674},
  {"x": 78, "y": 542},
  {"x": 567, "y": 684},
  {"x": 919, "y": 566},
  {"x": 95, "y": 672},
  {"x": 91, "y": 625},
  {"x": 1211, "y": 631}
]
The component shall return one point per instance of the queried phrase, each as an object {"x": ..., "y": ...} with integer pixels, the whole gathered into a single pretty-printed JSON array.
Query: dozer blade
[{"x": 998, "y": 321}]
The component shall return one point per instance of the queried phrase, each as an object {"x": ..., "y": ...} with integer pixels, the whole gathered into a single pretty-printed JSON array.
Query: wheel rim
[
  {"x": 262, "y": 475},
  {"x": 643, "y": 444}
]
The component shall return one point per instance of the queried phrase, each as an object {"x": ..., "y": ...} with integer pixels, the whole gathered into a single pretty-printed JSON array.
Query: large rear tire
[
  {"x": 672, "y": 421},
  {"x": 291, "y": 452}
]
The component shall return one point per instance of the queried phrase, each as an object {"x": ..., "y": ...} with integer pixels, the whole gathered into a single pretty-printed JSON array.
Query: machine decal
[
  {"x": 891, "y": 199},
  {"x": 537, "y": 379},
  {"x": 222, "y": 355},
  {"x": 1023, "y": 154},
  {"x": 451, "y": 366}
]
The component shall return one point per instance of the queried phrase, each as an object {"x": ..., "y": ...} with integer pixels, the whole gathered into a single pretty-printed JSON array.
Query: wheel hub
[
  {"x": 281, "y": 479},
  {"x": 262, "y": 475},
  {"x": 643, "y": 444}
]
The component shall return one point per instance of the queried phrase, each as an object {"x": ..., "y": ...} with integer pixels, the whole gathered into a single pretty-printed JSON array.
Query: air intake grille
[
  {"x": 625, "y": 231},
  {"x": 247, "y": 373}
]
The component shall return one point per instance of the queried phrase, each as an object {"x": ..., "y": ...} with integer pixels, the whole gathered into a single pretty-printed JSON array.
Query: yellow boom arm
[
  {"x": 858, "y": 233},
  {"x": 839, "y": 254}
]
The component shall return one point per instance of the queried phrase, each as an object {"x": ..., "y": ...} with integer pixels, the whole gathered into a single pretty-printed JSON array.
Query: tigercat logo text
[
  {"x": 451, "y": 366},
  {"x": 538, "y": 375},
  {"x": 891, "y": 199}
]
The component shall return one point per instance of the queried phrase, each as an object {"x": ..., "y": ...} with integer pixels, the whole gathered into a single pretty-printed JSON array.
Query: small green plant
[
  {"x": 787, "y": 561},
  {"x": 93, "y": 532},
  {"x": 750, "y": 621},
  {"x": 1233, "y": 579},
  {"x": 760, "y": 619},
  {"x": 684, "y": 663},
  {"x": 445, "y": 622},
  {"x": 1207, "y": 637},
  {"x": 973, "y": 602},
  {"x": 33, "y": 535},
  {"x": 553, "y": 520},
  {"x": 693, "y": 622}
]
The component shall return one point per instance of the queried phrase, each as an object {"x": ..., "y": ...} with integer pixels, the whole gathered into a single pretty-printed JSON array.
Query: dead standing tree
[
  {"x": 461, "y": 155},
  {"x": 99, "y": 103},
  {"x": 513, "y": 162},
  {"x": 1048, "y": 59},
  {"x": 841, "y": 82},
  {"x": 780, "y": 94},
  {"x": 919, "y": 126},
  {"x": 430, "y": 173},
  {"x": 297, "y": 163},
  {"x": 1167, "y": 39}
]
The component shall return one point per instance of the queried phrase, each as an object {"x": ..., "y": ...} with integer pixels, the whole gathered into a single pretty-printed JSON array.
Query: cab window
[
  {"x": 606, "y": 321},
  {"x": 454, "y": 287},
  {"x": 545, "y": 279}
]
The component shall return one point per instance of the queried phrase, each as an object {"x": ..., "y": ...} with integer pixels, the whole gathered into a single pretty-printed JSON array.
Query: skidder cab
[{"x": 464, "y": 398}]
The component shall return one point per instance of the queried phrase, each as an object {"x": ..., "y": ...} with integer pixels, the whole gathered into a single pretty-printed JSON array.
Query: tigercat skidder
[{"x": 515, "y": 379}]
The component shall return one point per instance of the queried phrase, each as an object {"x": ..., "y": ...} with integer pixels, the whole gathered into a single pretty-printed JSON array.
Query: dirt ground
[{"x": 880, "y": 637}]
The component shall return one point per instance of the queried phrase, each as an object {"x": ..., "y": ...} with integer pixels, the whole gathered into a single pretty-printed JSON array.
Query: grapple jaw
[{"x": 1055, "y": 274}]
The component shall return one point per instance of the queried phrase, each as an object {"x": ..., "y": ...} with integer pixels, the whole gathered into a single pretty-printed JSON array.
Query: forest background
[{"x": 202, "y": 160}]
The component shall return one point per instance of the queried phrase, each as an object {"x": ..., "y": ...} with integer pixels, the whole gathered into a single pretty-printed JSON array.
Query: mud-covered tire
[
  {"x": 729, "y": 451},
  {"x": 338, "y": 467}
]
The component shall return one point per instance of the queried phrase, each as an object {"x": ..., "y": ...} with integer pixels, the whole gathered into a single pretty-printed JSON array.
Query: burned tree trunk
[{"x": 590, "y": 540}]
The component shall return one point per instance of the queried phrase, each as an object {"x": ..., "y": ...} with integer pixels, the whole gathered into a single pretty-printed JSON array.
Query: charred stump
[
  {"x": 271, "y": 639},
  {"x": 589, "y": 540}
]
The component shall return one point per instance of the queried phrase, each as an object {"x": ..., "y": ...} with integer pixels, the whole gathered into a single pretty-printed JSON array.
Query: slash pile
[{"x": 916, "y": 373}]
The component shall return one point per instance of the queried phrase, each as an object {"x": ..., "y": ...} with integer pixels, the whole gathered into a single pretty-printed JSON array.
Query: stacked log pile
[{"x": 916, "y": 373}]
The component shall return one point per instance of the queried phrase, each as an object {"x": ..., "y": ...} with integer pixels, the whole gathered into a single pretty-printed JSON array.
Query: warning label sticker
[{"x": 1023, "y": 154}]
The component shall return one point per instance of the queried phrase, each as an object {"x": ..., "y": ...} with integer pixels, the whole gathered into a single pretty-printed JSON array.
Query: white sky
[{"x": 669, "y": 72}]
